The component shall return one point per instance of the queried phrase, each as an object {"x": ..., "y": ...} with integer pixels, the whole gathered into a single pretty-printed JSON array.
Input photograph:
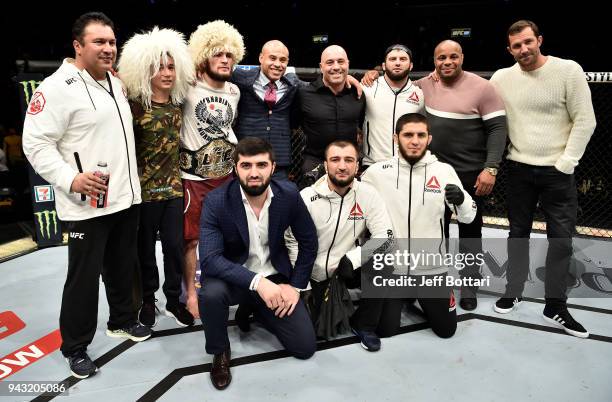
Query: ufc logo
[{"x": 76, "y": 235}]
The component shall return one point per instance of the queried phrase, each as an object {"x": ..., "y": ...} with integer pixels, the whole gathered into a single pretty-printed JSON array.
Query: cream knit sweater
[{"x": 550, "y": 113}]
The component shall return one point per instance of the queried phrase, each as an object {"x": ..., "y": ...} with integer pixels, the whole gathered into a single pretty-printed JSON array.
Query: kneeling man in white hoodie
[
  {"x": 343, "y": 209},
  {"x": 416, "y": 186}
]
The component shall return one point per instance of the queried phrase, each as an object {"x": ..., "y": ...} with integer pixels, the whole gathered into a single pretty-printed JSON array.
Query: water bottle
[{"x": 103, "y": 173}]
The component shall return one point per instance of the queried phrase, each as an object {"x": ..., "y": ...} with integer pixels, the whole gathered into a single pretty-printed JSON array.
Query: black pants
[
  {"x": 470, "y": 234},
  {"x": 167, "y": 218},
  {"x": 295, "y": 332},
  {"x": 556, "y": 192},
  {"x": 105, "y": 245},
  {"x": 438, "y": 305},
  {"x": 368, "y": 314}
]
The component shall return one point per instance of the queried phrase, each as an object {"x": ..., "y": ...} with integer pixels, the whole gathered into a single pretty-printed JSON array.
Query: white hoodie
[
  {"x": 340, "y": 221},
  {"x": 414, "y": 196},
  {"x": 383, "y": 107},
  {"x": 72, "y": 112}
]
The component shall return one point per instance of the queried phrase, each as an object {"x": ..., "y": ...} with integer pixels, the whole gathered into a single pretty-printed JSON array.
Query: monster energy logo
[
  {"x": 48, "y": 216},
  {"x": 28, "y": 88}
]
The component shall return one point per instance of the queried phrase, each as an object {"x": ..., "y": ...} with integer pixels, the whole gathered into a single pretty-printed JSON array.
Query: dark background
[
  {"x": 577, "y": 31},
  {"x": 41, "y": 30}
]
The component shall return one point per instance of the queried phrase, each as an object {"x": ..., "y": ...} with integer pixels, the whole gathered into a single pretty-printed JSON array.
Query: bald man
[
  {"x": 266, "y": 109},
  {"x": 329, "y": 109},
  {"x": 467, "y": 122},
  {"x": 267, "y": 94}
]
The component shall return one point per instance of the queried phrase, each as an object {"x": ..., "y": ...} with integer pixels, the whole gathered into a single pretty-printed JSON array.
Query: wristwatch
[{"x": 492, "y": 171}]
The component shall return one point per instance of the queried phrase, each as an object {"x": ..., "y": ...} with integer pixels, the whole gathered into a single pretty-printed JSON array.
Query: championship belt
[{"x": 211, "y": 161}]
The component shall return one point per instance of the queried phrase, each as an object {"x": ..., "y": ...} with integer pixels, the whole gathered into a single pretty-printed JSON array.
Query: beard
[
  {"x": 397, "y": 77},
  {"x": 412, "y": 159},
  {"x": 255, "y": 191},
  {"x": 527, "y": 62},
  {"x": 216, "y": 76},
  {"x": 341, "y": 183}
]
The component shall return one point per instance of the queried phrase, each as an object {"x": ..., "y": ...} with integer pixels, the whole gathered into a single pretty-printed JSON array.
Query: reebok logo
[
  {"x": 433, "y": 186},
  {"x": 413, "y": 97},
  {"x": 356, "y": 213}
]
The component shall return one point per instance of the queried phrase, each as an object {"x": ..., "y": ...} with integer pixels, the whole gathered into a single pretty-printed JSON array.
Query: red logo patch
[
  {"x": 452, "y": 305},
  {"x": 356, "y": 211},
  {"x": 414, "y": 97},
  {"x": 433, "y": 183},
  {"x": 37, "y": 104}
]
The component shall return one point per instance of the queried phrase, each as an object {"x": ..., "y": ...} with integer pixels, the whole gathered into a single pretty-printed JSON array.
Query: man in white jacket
[
  {"x": 343, "y": 209},
  {"x": 390, "y": 96},
  {"x": 79, "y": 116},
  {"x": 416, "y": 187}
]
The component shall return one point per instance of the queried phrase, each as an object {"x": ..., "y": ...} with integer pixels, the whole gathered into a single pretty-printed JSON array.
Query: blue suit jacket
[
  {"x": 255, "y": 119},
  {"x": 224, "y": 235}
]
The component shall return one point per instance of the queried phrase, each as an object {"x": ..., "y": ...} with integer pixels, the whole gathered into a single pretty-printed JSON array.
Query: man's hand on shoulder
[
  {"x": 352, "y": 81},
  {"x": 369, "y": 77},
  {"x": 433, "y": 76}
]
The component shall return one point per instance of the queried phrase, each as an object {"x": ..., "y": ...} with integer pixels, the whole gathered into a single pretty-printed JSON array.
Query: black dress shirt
[{"x": 326, "y": 117}]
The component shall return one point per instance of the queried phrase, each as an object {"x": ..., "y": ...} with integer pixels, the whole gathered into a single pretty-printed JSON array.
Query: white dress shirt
[
  {"x": 259, "y": 247},
  {"x": 260, "y": 87}
]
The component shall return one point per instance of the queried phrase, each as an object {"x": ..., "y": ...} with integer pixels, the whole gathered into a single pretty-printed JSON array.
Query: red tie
[{"x": 270, "y": 96}]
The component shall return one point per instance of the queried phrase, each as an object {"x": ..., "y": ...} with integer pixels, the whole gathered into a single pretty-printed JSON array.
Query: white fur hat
[
  {"x": 140, "y": 60},
  {"x": 214, "y": 37}
]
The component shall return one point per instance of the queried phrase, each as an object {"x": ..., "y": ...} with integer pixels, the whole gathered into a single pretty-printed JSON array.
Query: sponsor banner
[
  {"x": 43, "y": 193},
  {"x": 604, "y": 77},
  {"x": 48, "y": 227}
]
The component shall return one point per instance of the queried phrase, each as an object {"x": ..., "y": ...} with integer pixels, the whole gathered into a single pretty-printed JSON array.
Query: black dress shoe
[
  {"x": 220, "y": 374},
  {"x": 243, "y": 312}
]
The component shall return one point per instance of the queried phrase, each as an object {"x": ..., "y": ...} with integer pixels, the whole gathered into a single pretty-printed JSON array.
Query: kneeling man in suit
[{"x": 244, "y": 259}]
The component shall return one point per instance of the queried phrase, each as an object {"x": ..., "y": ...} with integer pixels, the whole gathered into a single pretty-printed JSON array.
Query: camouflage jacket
[{"x": 157, "y": 150}]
